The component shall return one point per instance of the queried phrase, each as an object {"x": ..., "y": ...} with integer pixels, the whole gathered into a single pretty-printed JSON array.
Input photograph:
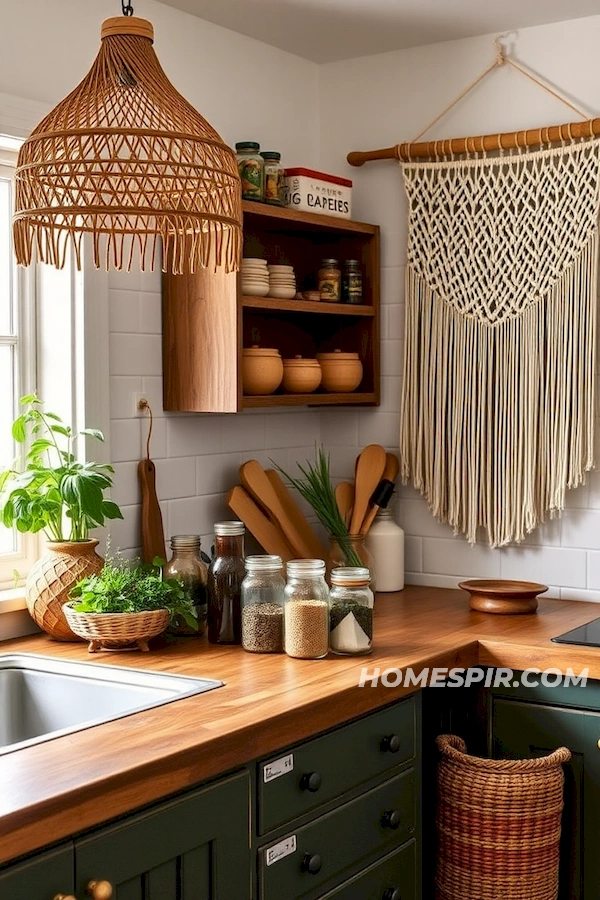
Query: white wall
[
  {"x": 378, "y": 101},
  {"x": 247, "y": 91}
]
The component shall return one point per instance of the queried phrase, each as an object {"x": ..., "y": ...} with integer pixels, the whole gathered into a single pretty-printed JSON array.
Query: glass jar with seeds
[
  {"x": 351, "y": 611},
  {"x": 262, "y": 605},
  {"x": 306, "y": 609}
]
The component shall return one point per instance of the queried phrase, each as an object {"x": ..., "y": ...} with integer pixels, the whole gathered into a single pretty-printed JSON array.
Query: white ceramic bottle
[{"x": 385, "y": 540}]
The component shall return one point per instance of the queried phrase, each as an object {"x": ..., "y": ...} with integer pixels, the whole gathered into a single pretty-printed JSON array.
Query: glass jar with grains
[
  {"x": 262, "y": 605},
  {"x": 330, "y": 280},
  {"x": 225, "y": 575},
  {"x": 188, "y": 567},
  {"x": 274, "y": 186},
  {"x": 306, "y": 609},
  {"x": 251, "y": 167},
  {"x": 351, "y": 611}
]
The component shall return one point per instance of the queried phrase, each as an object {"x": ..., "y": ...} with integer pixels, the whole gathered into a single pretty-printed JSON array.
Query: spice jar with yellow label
[
  {"x": 330, "y": 280},
  {"x": 274, "y": 185}
]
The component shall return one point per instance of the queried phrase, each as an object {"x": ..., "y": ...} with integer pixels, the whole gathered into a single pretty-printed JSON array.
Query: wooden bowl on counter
[
  {"x": 342, "y": 372},
  {"x": 503, "y": 597},
  {"x": 301, "y": 376},
  {"x": 262, "y": 370}
]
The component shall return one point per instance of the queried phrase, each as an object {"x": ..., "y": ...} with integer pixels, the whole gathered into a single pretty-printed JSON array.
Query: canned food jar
[
  {"x": 251, "y": 167},
  {"x": 274, "y": 180},
  {"x": 330, "y": 279}
]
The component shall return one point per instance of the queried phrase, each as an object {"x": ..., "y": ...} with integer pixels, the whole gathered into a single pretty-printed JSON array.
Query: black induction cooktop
[{"x": 587, "y": 635}]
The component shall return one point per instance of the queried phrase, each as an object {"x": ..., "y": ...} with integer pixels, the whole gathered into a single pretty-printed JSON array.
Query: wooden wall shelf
[{"x": 206, "y": 320}]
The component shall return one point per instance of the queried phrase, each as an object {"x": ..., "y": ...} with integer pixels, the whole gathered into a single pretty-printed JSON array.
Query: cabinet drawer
[
  {"x": 393, "y": 878},
  {"x": 40, "y": 877},
  {"x": 337, "y": 762},
  {"x": 340, "y": 842}
]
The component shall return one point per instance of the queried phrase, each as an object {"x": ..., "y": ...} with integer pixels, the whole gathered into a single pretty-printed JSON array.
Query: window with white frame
[{"x": 17, "y": 360}]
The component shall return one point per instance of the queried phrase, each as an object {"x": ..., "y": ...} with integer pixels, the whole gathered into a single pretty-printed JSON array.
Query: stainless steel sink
[{"x": 43, "y": 698}]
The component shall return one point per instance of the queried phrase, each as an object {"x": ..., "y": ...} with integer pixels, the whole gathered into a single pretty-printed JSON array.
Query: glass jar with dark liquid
[{"x": 225, "y": 575}]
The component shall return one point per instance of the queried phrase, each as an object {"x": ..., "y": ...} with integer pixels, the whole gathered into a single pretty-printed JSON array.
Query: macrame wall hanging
[{"x": 498, "y": 389}]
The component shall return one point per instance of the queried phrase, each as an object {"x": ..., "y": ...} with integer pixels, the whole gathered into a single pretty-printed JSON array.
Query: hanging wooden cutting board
[{"x": 153, "y": 536}]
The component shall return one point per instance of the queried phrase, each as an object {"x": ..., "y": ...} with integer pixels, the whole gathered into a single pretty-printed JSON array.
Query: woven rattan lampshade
[{"x": 127, "y": 159}]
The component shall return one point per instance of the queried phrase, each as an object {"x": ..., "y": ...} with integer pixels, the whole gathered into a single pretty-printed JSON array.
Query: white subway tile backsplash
[
  {"x": 339, "y": 427},
  {"x": 197, "y": 515},
  {"x": 152, "y": 388},
  {"x": 135, "y": 354},
  {"x": 396, "y": 313},
  {"x": 126, "y": 490},
  {"x": 176, "y": 477},
  {"x": 392, "y": 285},
  {"x": 392, "y": 357},
  {"x": 217, "y": 473},
  {"x": 292, "y": 429},
  {"x": 413, "y": 553},
  {"x": 379, "y": 427},
  {"x": 581, "y": 528},
  {"x": 125, "y": 440},
  {"x": 124, "y": 311},
  {"x": 593, "y": 570},
  {"x": 192, "y": 435},
  {"x": 242, "y": 432},
  {"x": 151, "y": 312},
  {"x": 416, "y": 518},
  {"x": 125, "y": 533},
  {"x": 122, "y": 390},
  {"x": 550, "y": 565},
  {"x": 455, "y": 557}
]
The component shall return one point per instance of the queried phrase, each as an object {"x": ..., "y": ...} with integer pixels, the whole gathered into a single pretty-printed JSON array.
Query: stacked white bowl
[
  {"x": 255, "y": 277},
  {"x": 282, "y": 282}
]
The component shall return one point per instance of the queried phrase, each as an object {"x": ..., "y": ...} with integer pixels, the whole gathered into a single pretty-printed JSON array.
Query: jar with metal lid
[
  {"x": 274, "y": 183},
  {"x": 187, "y": 566},
  {"x": 352, "y": 287},
  {"x": 351, "y": 611},
  {"x": 330, "y": 280},
  {"x": 251, "y": 167},
  {"x": 262, "y": 605},
  {"x": 225, "y": 575},
  {"x": 306, "y": 609}
]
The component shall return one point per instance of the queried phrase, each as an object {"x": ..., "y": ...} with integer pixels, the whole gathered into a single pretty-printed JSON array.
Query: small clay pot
[
  {"x": 262, "y": 370},
  {"x": 301, "y": 376},
  {"x": 342, "y": 372}
]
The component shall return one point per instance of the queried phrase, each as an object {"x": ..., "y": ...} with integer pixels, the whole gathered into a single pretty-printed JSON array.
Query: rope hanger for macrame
[{"x": 532, "y": 138}]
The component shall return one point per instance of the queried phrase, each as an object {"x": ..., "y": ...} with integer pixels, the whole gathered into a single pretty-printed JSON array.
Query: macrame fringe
[{"x": 498, "y": 420}]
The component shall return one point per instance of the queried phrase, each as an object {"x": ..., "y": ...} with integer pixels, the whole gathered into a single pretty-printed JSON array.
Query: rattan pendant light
[{"x": 126, "y": 159}]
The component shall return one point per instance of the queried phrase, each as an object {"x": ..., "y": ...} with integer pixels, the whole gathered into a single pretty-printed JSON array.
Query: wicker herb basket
[
  {"x": 498, "y": 825},
  {"x": 113, "y": 631}
]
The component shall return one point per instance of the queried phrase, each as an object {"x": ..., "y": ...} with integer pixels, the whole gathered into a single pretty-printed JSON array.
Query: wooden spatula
[
  {"x": 153, "y": 536},
  {"x": 344, "y": 497},
  {"x": 254, "y": 479},
  {"x": 266, "y": 533},
  {"x": 295, "y": 515},
  {"x": 369, "y": 470},
  {"x": 390, "y": 473}
]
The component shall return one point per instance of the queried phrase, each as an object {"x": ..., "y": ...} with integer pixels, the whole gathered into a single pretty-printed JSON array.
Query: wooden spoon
[
  {"x": 266, "y": 533},
  {"x": 296, "y": 515},
  {"x": 344, "y": 497},
  {"x": 390, "y": 473},
  {"x": 255, "y": 480},
  {"x": 369, "y": 470}
]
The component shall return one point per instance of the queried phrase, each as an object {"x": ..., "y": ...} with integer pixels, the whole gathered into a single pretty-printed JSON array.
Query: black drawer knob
[
  {"x": 311, "y": 862},
  {"x": 390, "y": 743},
  {"x": 392, "y": 894},
  {"x": 391, "y": 818},
  {"x": 311, "y": 781}
]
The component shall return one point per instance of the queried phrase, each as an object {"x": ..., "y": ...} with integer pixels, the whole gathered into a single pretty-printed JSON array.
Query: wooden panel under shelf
[
  {"x": 308, "y": 306},
  {"x": 358, "y": 398},
  {"x": 277, "y": 218}
]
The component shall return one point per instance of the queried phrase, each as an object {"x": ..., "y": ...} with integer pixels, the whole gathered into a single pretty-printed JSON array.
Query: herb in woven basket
[{"x": 317, "y": 490}]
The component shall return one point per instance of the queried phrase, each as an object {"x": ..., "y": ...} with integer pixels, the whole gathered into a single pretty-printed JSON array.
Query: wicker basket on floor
[
  {"x": 498, "y": 825},
  {"x": 115, "y": 631}
]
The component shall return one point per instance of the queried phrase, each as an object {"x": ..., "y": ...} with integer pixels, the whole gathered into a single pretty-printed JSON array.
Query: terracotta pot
[
  {"x": 342, "y": 372},
  {"x": 51, "y": 580},
  {"x": 262, "y": 370},
  {"x": 301, "y": 376}
]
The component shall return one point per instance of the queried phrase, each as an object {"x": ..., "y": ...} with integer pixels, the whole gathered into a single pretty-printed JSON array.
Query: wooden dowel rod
[{"x": 534, "y": 138}]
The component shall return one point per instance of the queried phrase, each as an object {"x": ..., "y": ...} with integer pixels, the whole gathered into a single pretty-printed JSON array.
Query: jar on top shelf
[
  {"x": 274, "y": 183},
  {"x": 251, "y": 167},
  {"x": 306, "y": 609}
]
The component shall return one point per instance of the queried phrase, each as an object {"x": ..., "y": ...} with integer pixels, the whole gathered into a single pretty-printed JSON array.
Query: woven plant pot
[
  {"x": 498, "y": 825},
  {"x": 51, "y": 580},
  {"x": 114, "y": 631}
]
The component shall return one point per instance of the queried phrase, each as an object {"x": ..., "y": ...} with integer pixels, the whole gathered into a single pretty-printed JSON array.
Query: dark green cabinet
[
  {"x": 39, "y": 878},
  {"x": 193, "y": 848},
  {"x": 523, "y": 729}
]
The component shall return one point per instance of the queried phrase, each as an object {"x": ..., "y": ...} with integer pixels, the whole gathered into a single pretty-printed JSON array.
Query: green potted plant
[
  {"x": 126, "y": 604},
  {"x": 51, "y": 491}
]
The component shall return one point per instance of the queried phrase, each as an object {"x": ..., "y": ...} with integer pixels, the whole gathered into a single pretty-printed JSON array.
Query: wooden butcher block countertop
[{"x": 53, "y": 789}]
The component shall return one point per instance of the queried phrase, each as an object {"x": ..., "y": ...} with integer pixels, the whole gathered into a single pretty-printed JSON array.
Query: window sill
[{"x": 12, "y": 600}]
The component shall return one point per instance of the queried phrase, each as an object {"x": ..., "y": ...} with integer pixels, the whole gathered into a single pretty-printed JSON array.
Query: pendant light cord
[{"x": 127, "y": 8}]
